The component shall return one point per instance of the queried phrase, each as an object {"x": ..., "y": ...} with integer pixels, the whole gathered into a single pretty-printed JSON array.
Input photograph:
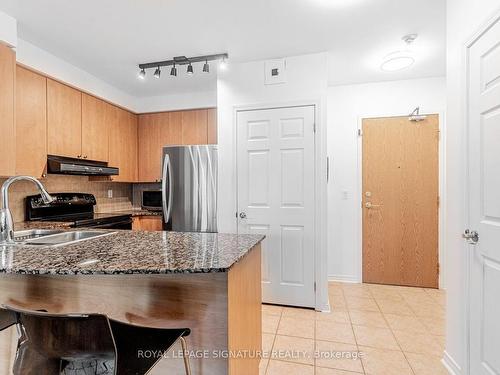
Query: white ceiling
[{"x": 109, "y": 38}]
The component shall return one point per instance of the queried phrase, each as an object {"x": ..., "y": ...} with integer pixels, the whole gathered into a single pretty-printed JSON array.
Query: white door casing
[
  {"x": 276, "y": 197},
  {"x": 483, "y": 140}
]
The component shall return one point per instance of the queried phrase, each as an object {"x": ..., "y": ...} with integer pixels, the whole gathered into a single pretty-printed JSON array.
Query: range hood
[{"x": 81, "y": 167}]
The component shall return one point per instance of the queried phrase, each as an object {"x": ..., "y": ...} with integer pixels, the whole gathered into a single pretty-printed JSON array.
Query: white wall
[
  {"x": 199, "y": 99},
  {"x": 464, "y": 17},
  {"x": 243, "y": 85},
  {"x": 8, "y": 30},
  {"x": 347, "y": 105}
]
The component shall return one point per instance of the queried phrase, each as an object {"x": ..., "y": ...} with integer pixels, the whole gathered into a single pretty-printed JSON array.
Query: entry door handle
[
  {"x": 370, "y": 205},
  {"x": 243, "y": 215}
]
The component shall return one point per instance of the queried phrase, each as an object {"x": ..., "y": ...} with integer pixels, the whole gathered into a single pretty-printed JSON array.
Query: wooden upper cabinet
[
  {"x": 195, "y": 127},
  {"x": 174, "y": 136},
  {"x": 212, "y": 126},
  {"x": 123, "y": 142},
  {"x": 95, "y": 128},
  {"x": 150, "y": 147},
  {"x": 7, "y": 125},
  {"x": 31, "y": 123},
  {"x": 64, "y": 120}
]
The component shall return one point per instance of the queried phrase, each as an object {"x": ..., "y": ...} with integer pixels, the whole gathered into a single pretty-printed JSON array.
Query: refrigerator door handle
[{"x": 167, "y": 205}]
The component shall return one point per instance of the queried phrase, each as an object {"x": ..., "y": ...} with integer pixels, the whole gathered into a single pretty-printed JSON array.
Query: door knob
[
  {"x": 243, "y": 215},
  {"x": 370, "y": 205},
  {"x": 472, "y": 237}
]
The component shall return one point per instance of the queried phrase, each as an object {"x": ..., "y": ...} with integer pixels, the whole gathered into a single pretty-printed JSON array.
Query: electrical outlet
[{"x": 110, "y": 193}]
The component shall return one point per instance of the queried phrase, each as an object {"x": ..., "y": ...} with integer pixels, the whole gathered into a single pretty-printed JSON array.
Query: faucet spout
[{"x": 6, "y": 223}]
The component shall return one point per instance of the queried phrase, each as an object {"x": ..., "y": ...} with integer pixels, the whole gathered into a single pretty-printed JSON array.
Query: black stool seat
[{"x": 55, "y": 344}]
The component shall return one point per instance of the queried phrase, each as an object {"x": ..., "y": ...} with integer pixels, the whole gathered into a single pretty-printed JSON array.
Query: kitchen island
[{"x": 209, "y": 283}]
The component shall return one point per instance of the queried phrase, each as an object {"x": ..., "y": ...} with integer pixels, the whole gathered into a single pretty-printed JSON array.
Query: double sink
[{"x": 53, "y": 237}]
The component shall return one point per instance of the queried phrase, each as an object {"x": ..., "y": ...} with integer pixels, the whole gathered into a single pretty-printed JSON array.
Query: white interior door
[
  {"x": 276, "y": 198},
  {"x": 484, "y": 201}
]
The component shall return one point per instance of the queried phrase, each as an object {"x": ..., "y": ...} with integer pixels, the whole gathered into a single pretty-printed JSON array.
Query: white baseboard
[
  {"x": 344, "y": 278},
  {"x": 450, "y": 364}
]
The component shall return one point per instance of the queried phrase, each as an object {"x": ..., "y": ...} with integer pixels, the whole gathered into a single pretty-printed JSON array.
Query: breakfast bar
[{"x": 207, "y": 282}]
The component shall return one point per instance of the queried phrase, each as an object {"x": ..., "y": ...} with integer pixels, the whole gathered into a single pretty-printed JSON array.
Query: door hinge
[
  {"x": 360, "y": 133},
  {"x": 438, "y": 268},
  {"x": 315, "y": 286},
  {"x": 439, "y": 201},
  {"x": 439, "y": 135},
  {"x": 314, "y": 127}
]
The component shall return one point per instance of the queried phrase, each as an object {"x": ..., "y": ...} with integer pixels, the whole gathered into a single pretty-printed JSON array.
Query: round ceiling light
[{"x": 396, "y": 61}]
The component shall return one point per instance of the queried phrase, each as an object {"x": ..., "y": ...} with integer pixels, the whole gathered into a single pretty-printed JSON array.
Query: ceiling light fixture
[
  {"x": 157, "y": 73},
  {"x": 400, "y": 60},
  {"x": 183, "y": 60},
  {"x": 173, "y": 71},
  {"x": 206, "y": 67},
  {"x": 397, "y": 61}
]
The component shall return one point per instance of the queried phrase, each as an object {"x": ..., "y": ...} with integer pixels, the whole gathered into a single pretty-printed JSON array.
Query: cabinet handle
[{"x": 85, "y": 157}]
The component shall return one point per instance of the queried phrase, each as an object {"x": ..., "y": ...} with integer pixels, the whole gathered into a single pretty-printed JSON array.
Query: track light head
[
  {"x": 173, "y": 71},
  {"x": 157, "y": 73},
  {"x": 206, "y": 67},
  {"x": 223, "y": 64},
  {"x": 190, "y": 69},
  {"x": 142, "y": 74}
]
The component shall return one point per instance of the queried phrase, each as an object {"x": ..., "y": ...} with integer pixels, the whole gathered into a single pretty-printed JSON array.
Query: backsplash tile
[{"x": 122, "y": 192}]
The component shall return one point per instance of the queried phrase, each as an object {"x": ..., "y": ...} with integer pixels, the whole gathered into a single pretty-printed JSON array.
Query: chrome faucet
[{"x": 6, "y": 223}]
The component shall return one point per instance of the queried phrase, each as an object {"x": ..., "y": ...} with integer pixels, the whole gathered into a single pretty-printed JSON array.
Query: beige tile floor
[{"x": 396, "y": 330}]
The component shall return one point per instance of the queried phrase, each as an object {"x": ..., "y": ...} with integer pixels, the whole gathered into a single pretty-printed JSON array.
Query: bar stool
[{"x": 90, "y": 344}]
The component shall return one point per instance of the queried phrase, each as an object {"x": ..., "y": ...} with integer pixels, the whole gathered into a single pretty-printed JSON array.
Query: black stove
[{"x": 75, "y": 208}]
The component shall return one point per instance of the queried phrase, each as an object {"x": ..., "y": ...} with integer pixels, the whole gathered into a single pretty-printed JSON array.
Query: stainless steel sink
[
  {"x": 30, "y": 234},
  {"x": 60, "y": 238}
]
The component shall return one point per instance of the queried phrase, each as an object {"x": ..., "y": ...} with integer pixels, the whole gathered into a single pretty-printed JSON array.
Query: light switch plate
[
  {"x": 275, "y": 71},
  {"x": 110, "y": 193}
]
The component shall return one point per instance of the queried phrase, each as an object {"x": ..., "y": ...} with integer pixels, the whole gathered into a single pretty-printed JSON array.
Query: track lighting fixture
[
  {"x": 183, "y": 60},
  {"x": 157, "y": 73},
  {"x": 142, "y": 74},
  {"x": 206, "y": 67}
]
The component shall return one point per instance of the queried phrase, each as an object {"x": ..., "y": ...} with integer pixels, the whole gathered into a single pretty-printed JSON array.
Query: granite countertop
[
  {"x": 62, "y": 225},
  {"x": 132, "y": 252}
]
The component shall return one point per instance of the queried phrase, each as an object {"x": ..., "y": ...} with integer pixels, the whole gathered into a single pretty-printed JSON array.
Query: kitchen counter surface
[
  {"x": 136, "y": 212},
  {"x": 62, "y": 225},
  {"x": 131, "y": 252}
]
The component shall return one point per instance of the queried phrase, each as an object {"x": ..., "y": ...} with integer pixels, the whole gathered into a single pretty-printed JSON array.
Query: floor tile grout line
[
  {"x": 353, "y": 334},
  {"x": 395, "y": 338}
]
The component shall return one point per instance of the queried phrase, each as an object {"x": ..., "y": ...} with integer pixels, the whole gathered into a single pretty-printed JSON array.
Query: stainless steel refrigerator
[{"x": 189, "y": 188}]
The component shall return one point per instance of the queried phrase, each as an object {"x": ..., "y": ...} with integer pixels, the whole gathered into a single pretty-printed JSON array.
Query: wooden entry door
[{"x": 400, "y": 201}]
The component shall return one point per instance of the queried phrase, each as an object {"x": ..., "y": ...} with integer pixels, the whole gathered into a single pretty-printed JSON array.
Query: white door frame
[
  {"x": 465, "y": 162},
  {"x": 442, "y": 191},
  {"x": 320, "y": 185}
]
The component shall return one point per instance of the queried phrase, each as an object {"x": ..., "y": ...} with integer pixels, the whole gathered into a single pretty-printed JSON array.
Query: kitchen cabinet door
[
  {"x": 7, "y": 125},
  {"x": 174, "y": 136},
  {"x": 123, "y": 144},
  {"x": 147, "y": 223},
  {"x": 31, "y": 123},
  {"x": 212, "y": 126},
  {"x": 150, "y": 148},
  {"x": 64, "y": 120},
  {"x": 95, "y": 128},
  {"x": 194, "y": 127}
]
